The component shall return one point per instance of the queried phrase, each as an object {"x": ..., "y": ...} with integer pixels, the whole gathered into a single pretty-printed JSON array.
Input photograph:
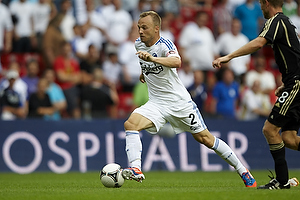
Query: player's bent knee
[
  {"x": 128, "y": 125},
  {"x": 206, "y": 139}
]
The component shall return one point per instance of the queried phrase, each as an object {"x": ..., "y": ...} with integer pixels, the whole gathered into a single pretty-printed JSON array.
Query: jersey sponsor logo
[{"x": 151, "y": 69}]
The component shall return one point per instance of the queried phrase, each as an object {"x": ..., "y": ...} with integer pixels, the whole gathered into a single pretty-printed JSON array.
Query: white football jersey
[{"x": 164, "y": 85}]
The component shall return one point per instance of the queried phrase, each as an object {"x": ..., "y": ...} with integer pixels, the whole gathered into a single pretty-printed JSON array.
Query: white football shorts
[{"x": 184, "y": 117}]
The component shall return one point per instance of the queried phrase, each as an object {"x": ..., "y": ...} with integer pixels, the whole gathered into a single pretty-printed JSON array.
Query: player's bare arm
[
  {"x": 172, "y": 62},
  {"x": 249, "y": 48}
]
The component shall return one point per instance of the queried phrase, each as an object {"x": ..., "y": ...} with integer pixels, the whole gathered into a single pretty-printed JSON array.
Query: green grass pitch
[{"x": 158, "y": 185}]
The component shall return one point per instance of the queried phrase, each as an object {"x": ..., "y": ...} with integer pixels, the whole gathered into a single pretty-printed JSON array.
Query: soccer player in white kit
[{"x": 169, "y": 101}]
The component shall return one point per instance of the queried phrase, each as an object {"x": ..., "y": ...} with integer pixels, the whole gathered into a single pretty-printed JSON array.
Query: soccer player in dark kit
[{"x": 280, "y": 33}]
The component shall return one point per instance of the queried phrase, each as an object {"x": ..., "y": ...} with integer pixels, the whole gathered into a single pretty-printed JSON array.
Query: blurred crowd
[{"x": 63, "y": 59}]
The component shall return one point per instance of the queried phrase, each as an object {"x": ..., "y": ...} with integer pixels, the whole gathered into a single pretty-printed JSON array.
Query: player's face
[
  {"x": 147, "y": 30},
  {"x": 263, "y": 6}
]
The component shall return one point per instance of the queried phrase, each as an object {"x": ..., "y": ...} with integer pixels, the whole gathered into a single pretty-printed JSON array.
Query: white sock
[
  {"x": 134, "y": 149},
  {"x": 225, "y": 152}
]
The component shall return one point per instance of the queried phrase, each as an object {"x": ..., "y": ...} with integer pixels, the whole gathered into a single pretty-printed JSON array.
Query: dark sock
[{"x": 281, "y": 169}]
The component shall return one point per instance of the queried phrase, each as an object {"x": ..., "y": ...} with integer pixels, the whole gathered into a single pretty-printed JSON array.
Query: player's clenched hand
[
  {"x": 217, "y": 63},
  {"x": 144, "y": 55}
]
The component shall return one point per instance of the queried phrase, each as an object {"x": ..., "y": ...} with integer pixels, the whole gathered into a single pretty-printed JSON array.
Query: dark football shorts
[{"x": 286, "y": 110}]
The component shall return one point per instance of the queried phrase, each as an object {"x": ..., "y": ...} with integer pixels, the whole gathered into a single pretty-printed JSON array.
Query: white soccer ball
[{"x": 111, "y": 176}]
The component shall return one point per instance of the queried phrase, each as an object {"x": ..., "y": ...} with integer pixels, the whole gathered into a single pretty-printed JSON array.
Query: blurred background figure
[
  {"x": 6, "y": 29},
  {"x": 225, "y": 94},
  {"x": 112, "y": 69},
  {"x": 11, "y": 104},
  {"x": 43, "y": 12},
  {"x": 229, "y": 41},
  {"x": 119, "y": 24},
  {"x": 39, "y": 104},
  {"x": 166, "y": 30},
  {"x": 24, "y": 34},
  {"x": 19, "y": 85},
  {"x": 56, "y": 95},
  {"x": 266, "y": 78},
  {"x": 186, "y": 73},
  {"x": 68, "y": 21},
  {"x": 254, "y": 104},
  {"x": 99, "y": 100},
  {"x": 32, "y": 75},
  {"x": 221, "y": 18},
  {"x": 251, "y": 17},
  {"x": 295, "y": 18},
  {"x": 197, "y": 39},
  {"x": 68, "y": 78},
  {"x": 88, "y": 65},
  {"x": 198, "y": 90},
  {"x": 129, "y": 61},
  {"x": 289, "y": 7},
  {"x": 140, "y": 94},
  {"x": 52, "y": 40}
]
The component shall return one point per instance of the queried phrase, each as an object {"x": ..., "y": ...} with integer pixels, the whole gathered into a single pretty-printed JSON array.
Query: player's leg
[
  {"x": 226, "y": 153},
  {"x": 277, "y": 149},
  {"x": 133, "y": 125},
  {"x": 291, "y": 140}
]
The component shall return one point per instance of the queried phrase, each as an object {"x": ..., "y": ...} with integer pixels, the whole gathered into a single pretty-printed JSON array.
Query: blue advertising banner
[{"x": 76, "y": 145}]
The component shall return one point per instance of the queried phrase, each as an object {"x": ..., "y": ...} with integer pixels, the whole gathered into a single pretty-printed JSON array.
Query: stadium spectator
[
  {"x": 142, "y": 6},
  {"x": 106, "y": 8},
  {"x": 41, "y": 17},
  {"x": 140, "y": 94},
  {"x": 119, "y": 24},
  {"x": 79, "y": 43},
  {"x": 221, "y": 18},
  {"x": 68, "y": 21},
  {"x": 232, "y": 4},
  {"x": 88, "y": 65},
  {"x": 266, "y": 78},
  {"x": 198, "y": 90},
  {"x": 231, "y": 40},
  {"x": 11, "y": 103},
  {"x": 39, "y": 104},
  {"x": 96, "y": 25},
  {"x": 6, "y": 29},
  {"x": 99, "y": 100},
  {"x": 129, "y": 61},
  {"x": 52, "y": 40},
  {"x": 196, "y": 39},
  {"x": 225, "y": 94},
  {"x": 186, "y": 74},
  {"x": 19, "y": 85},
  {"x": 112, "y": 69},
  {"x": 166, "y": 30},
  {"x": 251, "y": 17},
  {"x": 32, "y": 75},
  {"x": 289, "y": 7},
  {"x": 24, "y": 34},
  {"x": 254, "y": 103},
  {"x": 68, "y": 77},
  {"x": 296, "y": 19},
  {"x": 56, "y": 95}
]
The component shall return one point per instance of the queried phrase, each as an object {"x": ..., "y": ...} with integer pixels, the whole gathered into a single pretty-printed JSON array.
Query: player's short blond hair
[{"x": 155, "y": 17}]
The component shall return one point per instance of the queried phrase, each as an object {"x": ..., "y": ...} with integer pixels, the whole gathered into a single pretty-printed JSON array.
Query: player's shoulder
[{"x": 165, "y": 42}]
